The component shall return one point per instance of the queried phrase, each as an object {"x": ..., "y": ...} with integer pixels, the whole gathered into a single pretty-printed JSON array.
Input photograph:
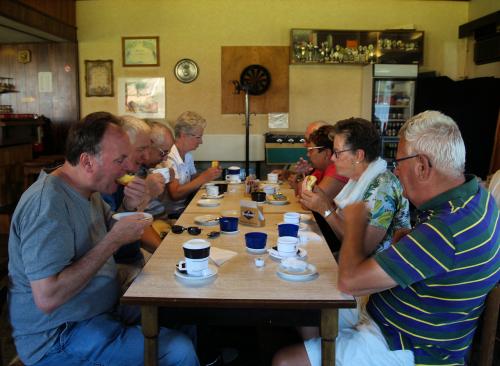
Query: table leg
[
  {"x": 329, "y": 330},
  {"x": 150, "y": 331}
]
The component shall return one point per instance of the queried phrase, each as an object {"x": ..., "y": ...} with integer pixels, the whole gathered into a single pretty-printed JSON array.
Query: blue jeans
[{"x": 104, "y": 340}]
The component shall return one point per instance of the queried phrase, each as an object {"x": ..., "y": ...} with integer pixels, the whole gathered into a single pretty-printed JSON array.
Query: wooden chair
[{"x": 487, "y": 336}]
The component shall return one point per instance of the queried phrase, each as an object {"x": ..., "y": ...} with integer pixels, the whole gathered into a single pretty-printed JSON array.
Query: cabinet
[
  {"x": 6, "y": 86},
  {"x": 321, "y": 46},
  {"x": 388, "y": 101}
]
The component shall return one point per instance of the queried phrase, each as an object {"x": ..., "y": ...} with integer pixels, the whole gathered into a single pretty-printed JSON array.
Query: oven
[{"x": 284, "y": 148}]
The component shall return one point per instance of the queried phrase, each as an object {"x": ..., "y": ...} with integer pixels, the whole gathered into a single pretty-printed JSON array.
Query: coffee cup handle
[
  {"x": 181, "y": 266},
  {"x": 227, "y": 177}
]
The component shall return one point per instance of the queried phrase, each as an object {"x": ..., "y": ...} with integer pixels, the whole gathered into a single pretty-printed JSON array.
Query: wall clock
[{"x": 186, "y": 70}]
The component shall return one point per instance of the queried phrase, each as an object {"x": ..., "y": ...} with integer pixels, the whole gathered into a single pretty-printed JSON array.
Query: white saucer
[
  {"x": 273, "y": 253},
  {"x": 302, "y": 226},
  {"x": 208, "y": 203},
  {"x": 206, "y": 196},
  {"x": 308, "y": 274},
  {"x": 256, "y": 251},
  {"x": 196, "y": 280},
  {"x": 207, "y": 220},
  {"x": 234, "y": 181},
  {"x": 230, "y": 232},
  {"x": 278, "y": 203}
]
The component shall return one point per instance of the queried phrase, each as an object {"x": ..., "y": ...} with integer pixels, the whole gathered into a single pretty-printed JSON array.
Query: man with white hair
[
  {"x": 427, "y": 290},
  {"x": 162, "y": 141}
]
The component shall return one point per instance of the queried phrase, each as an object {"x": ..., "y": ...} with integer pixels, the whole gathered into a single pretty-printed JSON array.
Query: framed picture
[
  {"x": 142, "y": 97},
  {"x": 141, "y": 51},
  {"x": 99, "y": 78}
]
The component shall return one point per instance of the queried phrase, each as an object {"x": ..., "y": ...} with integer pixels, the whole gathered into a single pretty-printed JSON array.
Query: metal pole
[{"x": 247, "y": 133}]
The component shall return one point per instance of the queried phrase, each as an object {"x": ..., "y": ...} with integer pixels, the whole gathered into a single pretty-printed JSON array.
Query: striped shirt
[{"x": 444, "y": 268}]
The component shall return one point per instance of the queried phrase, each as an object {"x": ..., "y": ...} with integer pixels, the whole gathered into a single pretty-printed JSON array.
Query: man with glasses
[
  {"x": 427, "y": 290},
  {"x": 162, "y": 141}
]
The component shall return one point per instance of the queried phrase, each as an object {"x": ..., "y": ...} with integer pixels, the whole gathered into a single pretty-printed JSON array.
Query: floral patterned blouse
[{"x": 389, "y": 210}]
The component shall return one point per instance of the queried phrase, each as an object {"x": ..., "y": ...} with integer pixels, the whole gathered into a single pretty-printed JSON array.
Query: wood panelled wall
[
  {"x": 61, "y": 105},
  {"x": 62, "y": 10}
]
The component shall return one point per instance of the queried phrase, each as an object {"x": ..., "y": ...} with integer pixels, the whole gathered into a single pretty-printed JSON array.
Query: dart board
[{"x": 256, "y": 78}]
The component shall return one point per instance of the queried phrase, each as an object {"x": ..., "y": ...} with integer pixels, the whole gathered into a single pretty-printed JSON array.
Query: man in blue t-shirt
[{"x": 63, "y": 295}]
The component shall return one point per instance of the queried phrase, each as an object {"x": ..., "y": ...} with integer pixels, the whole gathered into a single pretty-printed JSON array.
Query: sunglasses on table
[{"x": 179, "y": 229}]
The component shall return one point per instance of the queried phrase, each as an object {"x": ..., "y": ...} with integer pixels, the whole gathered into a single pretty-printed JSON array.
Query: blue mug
[
  {"x": 288, "y": 230},
  {"x": 228, "y": 224},
  {"x": 256, "y": 240}
]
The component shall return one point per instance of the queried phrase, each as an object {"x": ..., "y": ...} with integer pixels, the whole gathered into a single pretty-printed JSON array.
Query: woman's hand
[
  {"x": 210, "y": 174},
  {"x": 315, "y": 201}
]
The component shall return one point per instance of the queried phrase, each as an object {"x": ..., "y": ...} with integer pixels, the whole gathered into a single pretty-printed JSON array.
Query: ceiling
[{"x": 14, "y": 32}]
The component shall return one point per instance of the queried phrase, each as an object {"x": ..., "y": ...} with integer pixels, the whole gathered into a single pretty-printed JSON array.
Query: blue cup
[
  {"x": 228, "y": 224},
  {"x": 288, "y": 230},
  {"x": 256, "y": 240}
]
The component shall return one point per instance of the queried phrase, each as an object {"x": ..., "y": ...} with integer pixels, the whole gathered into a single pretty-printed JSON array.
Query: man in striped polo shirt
[{"x": 427, "y": 290}]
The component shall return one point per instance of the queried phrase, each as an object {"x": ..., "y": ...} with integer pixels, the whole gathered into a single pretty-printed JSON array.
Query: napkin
[
  {"x": 221, "y": 256},
  {"x": 306, "y": 236}
]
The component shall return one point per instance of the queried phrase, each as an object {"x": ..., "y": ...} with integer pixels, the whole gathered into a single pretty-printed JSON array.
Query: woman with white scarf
[{"x": 356, "y": 154}]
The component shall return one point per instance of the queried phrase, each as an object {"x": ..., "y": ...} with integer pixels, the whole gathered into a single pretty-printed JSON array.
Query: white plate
[
  {"x": 208, "y": 203},
  {"x": 230, "y": 232},
  {"x": 204, "y": 195},
  {"x": 188, "y": 280},
  {"x": 121, "y": 215},
  {"x": 234, "y": 182},
  {"x": 273, "y": 253},
  {"x": 278, "y": 203},
  {"x": 308, "y": 274},
  {"x": 256, "y": 251},
  {"x": 302, "y": 226},
  {"x": 207, "y": 220}
]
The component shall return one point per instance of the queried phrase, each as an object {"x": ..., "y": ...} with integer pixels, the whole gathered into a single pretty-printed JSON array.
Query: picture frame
[
  {"x": 99, "y": 78},
  {"x": 141, "y": 51},
  {"x": 141, "y": 97}
]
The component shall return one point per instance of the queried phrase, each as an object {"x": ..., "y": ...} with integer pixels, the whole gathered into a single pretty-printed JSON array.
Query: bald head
[
  {"x": 311, "y": 127},
  {"x": 162, "y": 140}
]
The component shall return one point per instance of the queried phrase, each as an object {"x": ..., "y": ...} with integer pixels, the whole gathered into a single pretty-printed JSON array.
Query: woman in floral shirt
[{"x": 356, "y": 154}]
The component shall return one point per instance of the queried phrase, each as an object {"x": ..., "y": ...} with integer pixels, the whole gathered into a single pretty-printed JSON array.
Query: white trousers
[{"x": 365, "y": 346}]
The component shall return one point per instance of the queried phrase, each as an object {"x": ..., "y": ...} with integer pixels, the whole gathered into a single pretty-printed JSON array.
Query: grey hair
[
  {"x": 157, "y": 137},
  {"x": 187, "y": 122},
  {"x": 437, "y": 136},
  {"x": 133, "y": 126}
]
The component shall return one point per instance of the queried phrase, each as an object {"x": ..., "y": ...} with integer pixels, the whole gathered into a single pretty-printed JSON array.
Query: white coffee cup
[
  {"x": 272, "y": 178},
  {"x": 291, "y": 218},
  {"x": 287, "y": 246},
  {"x": 212, "y": 191},
  {"x": 196, "y": 253},
  {"x": 233, "y": 174},
  {"x": 165, "y": 173},
  {"x": 269, "y": 189}
]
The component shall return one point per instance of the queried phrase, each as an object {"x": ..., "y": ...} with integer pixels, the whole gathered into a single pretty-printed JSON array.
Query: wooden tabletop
[
  {"x": 239, "y": 283},
  {"x": 235, "y": 194}
]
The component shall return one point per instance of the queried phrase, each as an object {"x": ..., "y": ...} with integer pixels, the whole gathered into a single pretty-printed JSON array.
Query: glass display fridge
[{"x": 388, "y": 101}]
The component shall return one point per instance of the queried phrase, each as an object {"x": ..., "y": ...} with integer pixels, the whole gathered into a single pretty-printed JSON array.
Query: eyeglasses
[
  {"x": 163, "y": 153},
  {"x": 199, "y": 137},
  {"x": 338, "y": 152},
  {"x": 213, "y": 234},
  {"x": 396, "y": 162},
  {"x": 179, "y": 229},
  {"x": 310, "y": 148}
]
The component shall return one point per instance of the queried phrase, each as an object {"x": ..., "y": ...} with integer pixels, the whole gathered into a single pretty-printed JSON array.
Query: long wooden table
[{"x": 239, "y": 284}]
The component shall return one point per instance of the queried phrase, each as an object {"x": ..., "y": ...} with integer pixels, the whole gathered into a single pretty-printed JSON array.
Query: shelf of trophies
[{"x": 355, "y": 47}]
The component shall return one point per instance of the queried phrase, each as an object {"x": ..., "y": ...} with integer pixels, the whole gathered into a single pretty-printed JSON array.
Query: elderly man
[
  {"x": 162, "y": 141},
  {"x": 63, "y": 292},
  {"x": 427, "y": 290}
]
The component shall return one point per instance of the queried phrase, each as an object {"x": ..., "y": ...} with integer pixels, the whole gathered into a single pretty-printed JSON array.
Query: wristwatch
[{"x": 327, "y": 213}]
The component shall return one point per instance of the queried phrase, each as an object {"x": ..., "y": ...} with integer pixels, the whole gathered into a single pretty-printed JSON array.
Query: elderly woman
[
  {"x": 356, "y": 154},
  {"x": 188, "y": 132},
  {"x": 356, "y": 150}
]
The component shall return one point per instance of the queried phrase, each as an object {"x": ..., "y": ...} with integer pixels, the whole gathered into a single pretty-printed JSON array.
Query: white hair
[
  {"x": 187, "y": 122},
  {"x": 435, "y": 135},
  {"x": 133, "y": 126},
  {"x": 158, "y": 131}
]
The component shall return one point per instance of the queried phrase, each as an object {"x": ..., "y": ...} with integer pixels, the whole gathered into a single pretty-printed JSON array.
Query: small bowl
[
  {"x": 258, "y": 196},
  {"x": 256, "y": 240}
]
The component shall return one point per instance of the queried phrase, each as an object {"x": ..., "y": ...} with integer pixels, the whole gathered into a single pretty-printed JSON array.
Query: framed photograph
[
  {"x": 99, "y": 78},
  {"x": 141, "y": 51},
  {"x": 141, "y": 97}
]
